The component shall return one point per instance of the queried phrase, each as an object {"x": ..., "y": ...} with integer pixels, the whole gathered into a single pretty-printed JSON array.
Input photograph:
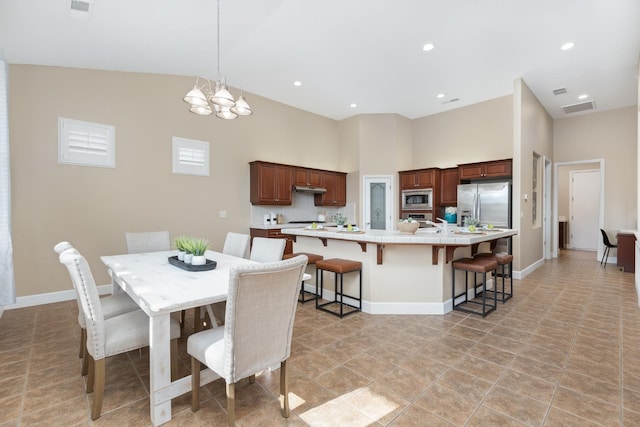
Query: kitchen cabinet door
[
  {"x": 495, "y": 169},
  {"x": 270, "y": 184},
  {"x": 449, "y": 187},
  {"x": 336, "y": 185},
  {"x": 308, "y": 177},
  {"x": 421, "y": 178}
]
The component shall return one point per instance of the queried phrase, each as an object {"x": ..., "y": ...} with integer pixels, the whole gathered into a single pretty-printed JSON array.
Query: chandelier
[{"x": 215, "y": 98}]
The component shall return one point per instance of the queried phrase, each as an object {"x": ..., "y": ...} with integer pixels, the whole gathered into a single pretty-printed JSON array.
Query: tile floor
[{"x": 564, "y": 351}]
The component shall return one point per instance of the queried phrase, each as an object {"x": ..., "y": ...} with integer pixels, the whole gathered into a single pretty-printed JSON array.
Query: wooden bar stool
[
  {"x": 503, "y": 260},
  {"x": 340, "y": 267},
  {"x": 475, "y": 266},
  {"x": 313, "y": 258}
]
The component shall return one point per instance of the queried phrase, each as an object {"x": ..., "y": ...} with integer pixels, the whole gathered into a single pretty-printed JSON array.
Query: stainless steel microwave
[{"x": 417, "y": 199}]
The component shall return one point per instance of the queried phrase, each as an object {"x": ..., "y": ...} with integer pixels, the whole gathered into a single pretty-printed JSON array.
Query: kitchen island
[{"x": 401, "y": 273}]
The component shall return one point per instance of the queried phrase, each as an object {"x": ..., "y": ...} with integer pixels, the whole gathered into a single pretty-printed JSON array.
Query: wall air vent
[
  {"x": 583, "y": 106},
  {"x": 81, "y": 9},
  {"x": 560, "y": 91}
]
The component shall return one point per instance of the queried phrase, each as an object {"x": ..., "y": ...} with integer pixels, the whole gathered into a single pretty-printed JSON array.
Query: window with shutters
[
  {"x": 86, "y": 144},
  {"x": 190, "y": 157}
]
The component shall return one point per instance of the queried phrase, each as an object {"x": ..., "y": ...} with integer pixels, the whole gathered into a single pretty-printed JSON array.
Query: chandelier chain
[{"x": 218, "y": 28}]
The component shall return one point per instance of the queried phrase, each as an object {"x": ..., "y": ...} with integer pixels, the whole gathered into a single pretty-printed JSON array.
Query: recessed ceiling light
[
  {"x": 440, "y": 95},
  {"x": 353, "y": 105},
  {"x": 567, "y": 46},
  {"x": 427, "y": 47},
  {"x": 583, "y": 96},
  {"x": 297, "y": 83}
]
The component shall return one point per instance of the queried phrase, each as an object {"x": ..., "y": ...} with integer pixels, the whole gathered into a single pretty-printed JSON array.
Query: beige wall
[
  {"x": 533, "y": 133},
  {"x": 612, "y": 136},
  {"x": 94, "y": 207},
  {"x": 476, "y": 133}
]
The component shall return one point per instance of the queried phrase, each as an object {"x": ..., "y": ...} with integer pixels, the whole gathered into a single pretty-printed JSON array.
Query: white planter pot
[
  {"x": 188, "y": 258},
  {"x": 180, "y": 255},
  {"x": 340, "y": 227},
  {"x": 198, "y": 260}
]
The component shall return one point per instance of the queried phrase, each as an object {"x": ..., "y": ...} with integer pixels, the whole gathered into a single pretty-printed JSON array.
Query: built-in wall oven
[
  {"x": 417, "y": 199},
  {"x": 421, "y": 217}
]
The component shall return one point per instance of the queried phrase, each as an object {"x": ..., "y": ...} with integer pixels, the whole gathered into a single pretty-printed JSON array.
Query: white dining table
[{"x": 160, "y": 288}]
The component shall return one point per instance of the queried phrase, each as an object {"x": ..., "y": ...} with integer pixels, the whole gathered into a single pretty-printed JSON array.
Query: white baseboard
[
  {"x": 51, "y": 297},
  {"x": 528, "y": 270}
]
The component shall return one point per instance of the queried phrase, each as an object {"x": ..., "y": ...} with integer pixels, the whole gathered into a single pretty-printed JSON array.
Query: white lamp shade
[
  {"x": 201, "y": 110},
  {"x": 196, "y": 97},
  {"x": 226, "y": 114},
  {"x": 242, "y": 107},
  {"x": 223, "y": 97}
]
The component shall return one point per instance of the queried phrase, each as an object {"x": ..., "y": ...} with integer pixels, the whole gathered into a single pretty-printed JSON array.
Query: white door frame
[
  {"x": 366, "y": 199},
  {"x": 555, "y": 200},
  {"x": 546, "y": 216}
]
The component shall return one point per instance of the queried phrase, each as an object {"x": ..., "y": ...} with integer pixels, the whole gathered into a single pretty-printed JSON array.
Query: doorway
[
  {"x": 378, "y": 202},
  {"x": 584, "y": 208},
  {"x": 561, "y": 197}
]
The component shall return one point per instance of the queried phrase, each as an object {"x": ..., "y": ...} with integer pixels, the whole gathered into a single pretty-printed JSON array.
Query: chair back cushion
[
  {"x": 236, "y": 244},
  {"x": 261, "y": 308},
  {"x": 151, "y": 241},
  {"x": 89, "y": 300},
  {"x": 267, "y": 250},
  {"x": 60, "y": 248}
]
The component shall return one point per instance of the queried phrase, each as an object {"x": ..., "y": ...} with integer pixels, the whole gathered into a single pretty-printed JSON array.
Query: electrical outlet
[{"x": 222, "y": 214}]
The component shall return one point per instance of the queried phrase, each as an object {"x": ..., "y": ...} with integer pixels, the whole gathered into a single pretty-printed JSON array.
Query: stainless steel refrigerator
[{"x": 489, "y": 202}]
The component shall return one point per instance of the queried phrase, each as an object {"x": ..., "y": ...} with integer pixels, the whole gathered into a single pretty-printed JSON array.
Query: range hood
[{"x": 309, "y": 189}]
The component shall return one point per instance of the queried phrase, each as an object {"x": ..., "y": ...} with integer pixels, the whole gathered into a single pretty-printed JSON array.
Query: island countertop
[{"x": 437, "y": 238}]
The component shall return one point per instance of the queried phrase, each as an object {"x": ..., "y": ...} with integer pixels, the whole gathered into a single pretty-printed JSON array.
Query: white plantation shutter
[
  {"x": 7, "y": 283},
  {"x": 85, "y": 144},
  {"x": 190, "y": 157}
]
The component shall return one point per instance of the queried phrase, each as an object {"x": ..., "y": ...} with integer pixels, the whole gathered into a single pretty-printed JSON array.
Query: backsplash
[{"x": 302, "y": 209}]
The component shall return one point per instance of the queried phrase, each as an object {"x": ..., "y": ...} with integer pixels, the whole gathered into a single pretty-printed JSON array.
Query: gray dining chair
[
  {"x": 112, "y": 336},
  {"x": 251, "y": 340},
  {"x": 149, "y": 241},
  {"x": 112, "y": 305}
]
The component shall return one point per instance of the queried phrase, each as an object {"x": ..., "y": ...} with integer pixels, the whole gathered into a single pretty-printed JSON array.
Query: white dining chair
[
  {"x": 262, "y": 250},
  {"x": 149, "y": 241},
  {"x": 112, "y": 305},
  {"x": 108, "y": 337},
  {"x": 252, "y": 340},
  {"x": 267, "y": 250},
  {"x": 236, "y": 244}
]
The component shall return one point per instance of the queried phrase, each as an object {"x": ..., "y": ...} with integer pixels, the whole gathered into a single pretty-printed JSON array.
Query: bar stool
[
  {"x": 475, "y": 266},
  {"x": 338, "y": 266},
  {"x": 503, "y": 260},
  {"x": 313, "y": 258}
]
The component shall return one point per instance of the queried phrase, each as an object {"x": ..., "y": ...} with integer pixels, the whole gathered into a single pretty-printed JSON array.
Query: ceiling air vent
[
  {"x": 81, "y": 8},
  {"x": 560, "y": 91},
  {"x": 451, "y": 100},
  {"x": 575, "y": 108}
]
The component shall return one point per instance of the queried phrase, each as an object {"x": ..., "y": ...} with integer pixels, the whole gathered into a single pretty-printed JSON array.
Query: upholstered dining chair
[
  {"x": 267, "y": 250},
  {"x": 252, "y": 339},
  {"x": 236, "y": 244},
  {"x": 262, "y": 250},
  {"x": 149, "y": 241},
  {"x": 112, "y": 305},
  {"x": 108, "y": 337}
]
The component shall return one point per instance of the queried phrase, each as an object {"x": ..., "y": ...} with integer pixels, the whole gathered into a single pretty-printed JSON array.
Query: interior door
[
  {"x": 378, "y": 208},
  {"x": 584, "y": 208}
]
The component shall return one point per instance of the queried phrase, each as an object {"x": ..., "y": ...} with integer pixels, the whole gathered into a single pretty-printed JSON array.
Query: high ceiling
[{"x": 364, "y": 52}]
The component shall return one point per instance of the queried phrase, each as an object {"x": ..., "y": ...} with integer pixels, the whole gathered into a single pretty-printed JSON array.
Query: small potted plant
[
  {"x": 179, "y": 242},
  {"x": 471, "y": 223},
  {"x": 198, "y": 248},
  {"x": 188, "y": 250},
  {"x": 341, "y": 220}
]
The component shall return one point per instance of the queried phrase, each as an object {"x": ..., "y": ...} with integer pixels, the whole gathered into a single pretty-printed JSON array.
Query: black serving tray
[{"x": 210, "y": 264}]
